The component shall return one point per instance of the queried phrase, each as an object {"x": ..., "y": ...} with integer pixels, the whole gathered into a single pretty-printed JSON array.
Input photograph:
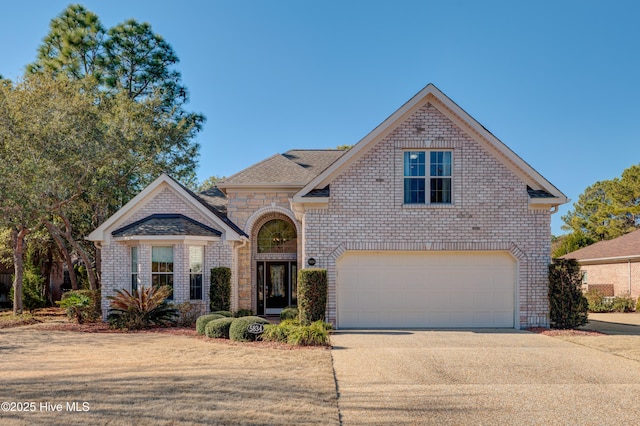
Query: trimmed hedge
[
  {"x": 220, "y": 289},
  {"x": 238, "y": 330},
  {"x": 290, "y": 312},
  {"x": 219, "y": 328},
  {"x": 202, "y": 321},
  {"x": 312, "y": 294},
  {"x": 243, "y": 313},
  {"x": 224, "y": 313}
]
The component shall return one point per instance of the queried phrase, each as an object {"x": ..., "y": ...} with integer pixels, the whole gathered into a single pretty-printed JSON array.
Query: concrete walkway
[{"x": 480, "y": 377}]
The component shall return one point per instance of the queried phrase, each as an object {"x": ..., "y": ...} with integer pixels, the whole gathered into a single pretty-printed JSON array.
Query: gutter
[{"x": 603, "y": 259}]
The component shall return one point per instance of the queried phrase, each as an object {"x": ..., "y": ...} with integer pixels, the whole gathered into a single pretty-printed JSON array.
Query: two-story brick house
[{"x": 428, "y": 221}]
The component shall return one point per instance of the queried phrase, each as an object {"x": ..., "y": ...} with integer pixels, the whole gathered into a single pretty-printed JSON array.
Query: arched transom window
[{"x": 277, "y": 236}]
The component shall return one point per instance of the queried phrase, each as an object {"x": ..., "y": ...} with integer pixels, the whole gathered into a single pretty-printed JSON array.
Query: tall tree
[
  {"x": 74, "y": 46},
  {"x": 24, "y": 162},
  {"x": 127, "y": 58},
  {"x": 141, "y": 127},
  {"x": 607, "y": 209}
]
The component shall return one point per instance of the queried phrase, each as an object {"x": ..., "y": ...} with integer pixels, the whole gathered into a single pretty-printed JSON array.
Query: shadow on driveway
[{"x": 615, "y": 324}]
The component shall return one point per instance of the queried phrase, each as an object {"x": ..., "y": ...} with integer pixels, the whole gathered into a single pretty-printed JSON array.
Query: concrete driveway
[{"x": 480, "y": 377}]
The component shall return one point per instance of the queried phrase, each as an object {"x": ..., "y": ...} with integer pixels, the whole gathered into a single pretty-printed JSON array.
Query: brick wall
[
  {"x": 625, "y": 277},
  {"x": 489, "y": 211},
  {"x": 116, "y": 255}
]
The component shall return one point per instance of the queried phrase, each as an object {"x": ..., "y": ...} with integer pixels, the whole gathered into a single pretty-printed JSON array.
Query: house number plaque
[{"x": 255, "y": 328}]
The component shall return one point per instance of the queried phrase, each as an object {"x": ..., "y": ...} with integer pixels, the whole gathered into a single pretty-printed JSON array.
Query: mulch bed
[
  {"x": 63, "y": 324},
  {"x": 550, "y": 332}
]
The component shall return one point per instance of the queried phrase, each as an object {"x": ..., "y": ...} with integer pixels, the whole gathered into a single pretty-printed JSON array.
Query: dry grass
[
  {"x": 7, "y": 319},
  {"x": 162, "y": 378}
]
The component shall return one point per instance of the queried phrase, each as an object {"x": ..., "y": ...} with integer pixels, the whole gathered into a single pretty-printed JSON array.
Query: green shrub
[
  {"x": 187, "y": 314},
  {"x": 220, "y": 289},
  {"x": 294, "y": 333},
  {"x": 290, "y": 312},
  {"x": 81, "y": 305},
  {"x": 239, "y": 328},
  {"x": 275, "y": 333},
  {"x": 228, "y": 314},
  {"x": 312, "y": 294},
  {"x": 568, "y": 306},
  {"x": 142, "y": 308},
  {"x": 314, "y": 334},
  {"x": 219, "y": 328},
  {"x": 599, "y": 303},
  {"x": 622, "y": 304},
  {"x": 32, "y": 284},
  {"x": 243, "y": 313},
  {"x": 202, "y": 321},
  {"x": 638, "y": 305}
]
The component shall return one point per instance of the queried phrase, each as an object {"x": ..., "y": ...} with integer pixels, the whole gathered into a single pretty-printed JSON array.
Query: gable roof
[
  {"x": 215, "y": 201},
  {"x": 543, "y": 192},
  {"x": 294, "y": 168},
  {"x": 166, "y": 224},
  {"x": 621, "y": 248},
  {"x": 231, "y": 231}
]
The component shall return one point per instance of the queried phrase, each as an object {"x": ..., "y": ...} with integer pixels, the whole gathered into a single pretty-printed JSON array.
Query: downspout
[{"x": 629, "y": 263}]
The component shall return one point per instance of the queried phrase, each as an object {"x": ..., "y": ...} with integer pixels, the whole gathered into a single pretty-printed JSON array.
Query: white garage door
[{"x": 418, "y": 289}]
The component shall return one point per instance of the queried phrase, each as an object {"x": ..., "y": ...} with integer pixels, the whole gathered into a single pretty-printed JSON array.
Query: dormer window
[{"x": 427, "y": 177}]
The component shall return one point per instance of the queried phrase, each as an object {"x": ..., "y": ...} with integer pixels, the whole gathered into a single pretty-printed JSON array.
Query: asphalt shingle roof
[
  {"x": 297, "y": 166},
  {"x": 625, "y": 246},
  {"x": 166, "y": 224},
  {"x": 538, "y": 193}
]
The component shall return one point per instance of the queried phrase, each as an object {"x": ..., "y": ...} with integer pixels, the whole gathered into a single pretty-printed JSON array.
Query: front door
[{"x": 276, "y": 286}]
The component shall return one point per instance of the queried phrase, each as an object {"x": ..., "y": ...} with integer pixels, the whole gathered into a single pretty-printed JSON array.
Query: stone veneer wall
[
  {"x": 489, "y": 211},
  {"x": 116, "y": 256},
  {"x": 250, "y": 210}
]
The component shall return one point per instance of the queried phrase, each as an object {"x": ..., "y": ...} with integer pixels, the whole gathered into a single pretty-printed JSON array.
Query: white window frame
[
  {"x": 427, "y": 177},
  {"x": 135, "y": 268},
  {"x": 194, "y": 273},
  {"x": 165, "y": 273}
]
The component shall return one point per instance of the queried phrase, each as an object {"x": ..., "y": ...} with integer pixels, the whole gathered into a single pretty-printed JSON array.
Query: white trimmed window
[
  {"x": 427, "y": 177},
  {"x": 196, "y": 257},
  {"x": 162, "y": 267},
  {"x": 134, "y": 269}
]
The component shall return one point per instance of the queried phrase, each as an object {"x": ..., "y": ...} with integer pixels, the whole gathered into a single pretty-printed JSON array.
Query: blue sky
[{"x": 557, "y": 81}]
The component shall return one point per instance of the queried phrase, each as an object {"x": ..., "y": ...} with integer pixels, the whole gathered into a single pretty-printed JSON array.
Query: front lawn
[{"x": 153, "y": 377}]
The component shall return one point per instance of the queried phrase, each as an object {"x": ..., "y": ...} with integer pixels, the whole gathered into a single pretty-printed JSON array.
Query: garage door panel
[{"x": 417, "y": 289}]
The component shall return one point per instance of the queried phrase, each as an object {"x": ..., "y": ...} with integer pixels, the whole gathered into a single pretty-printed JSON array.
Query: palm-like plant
[{"x": 141, "y": 308}]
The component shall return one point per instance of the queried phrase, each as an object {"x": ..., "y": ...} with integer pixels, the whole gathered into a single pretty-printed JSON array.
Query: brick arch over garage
[
  {"x": 523, "y": 273},
  {"x": 253, "y": 226}
]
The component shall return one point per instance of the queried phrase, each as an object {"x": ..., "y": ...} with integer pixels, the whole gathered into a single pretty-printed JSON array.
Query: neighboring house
[
  {"x": 611, "y": 266},
  {"x": 428, "y": 221}
]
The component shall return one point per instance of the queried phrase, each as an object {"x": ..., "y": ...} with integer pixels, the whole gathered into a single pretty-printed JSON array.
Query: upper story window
[
  {"x": 427, "y": 177},
  {"x": 277, "y": 236}
]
